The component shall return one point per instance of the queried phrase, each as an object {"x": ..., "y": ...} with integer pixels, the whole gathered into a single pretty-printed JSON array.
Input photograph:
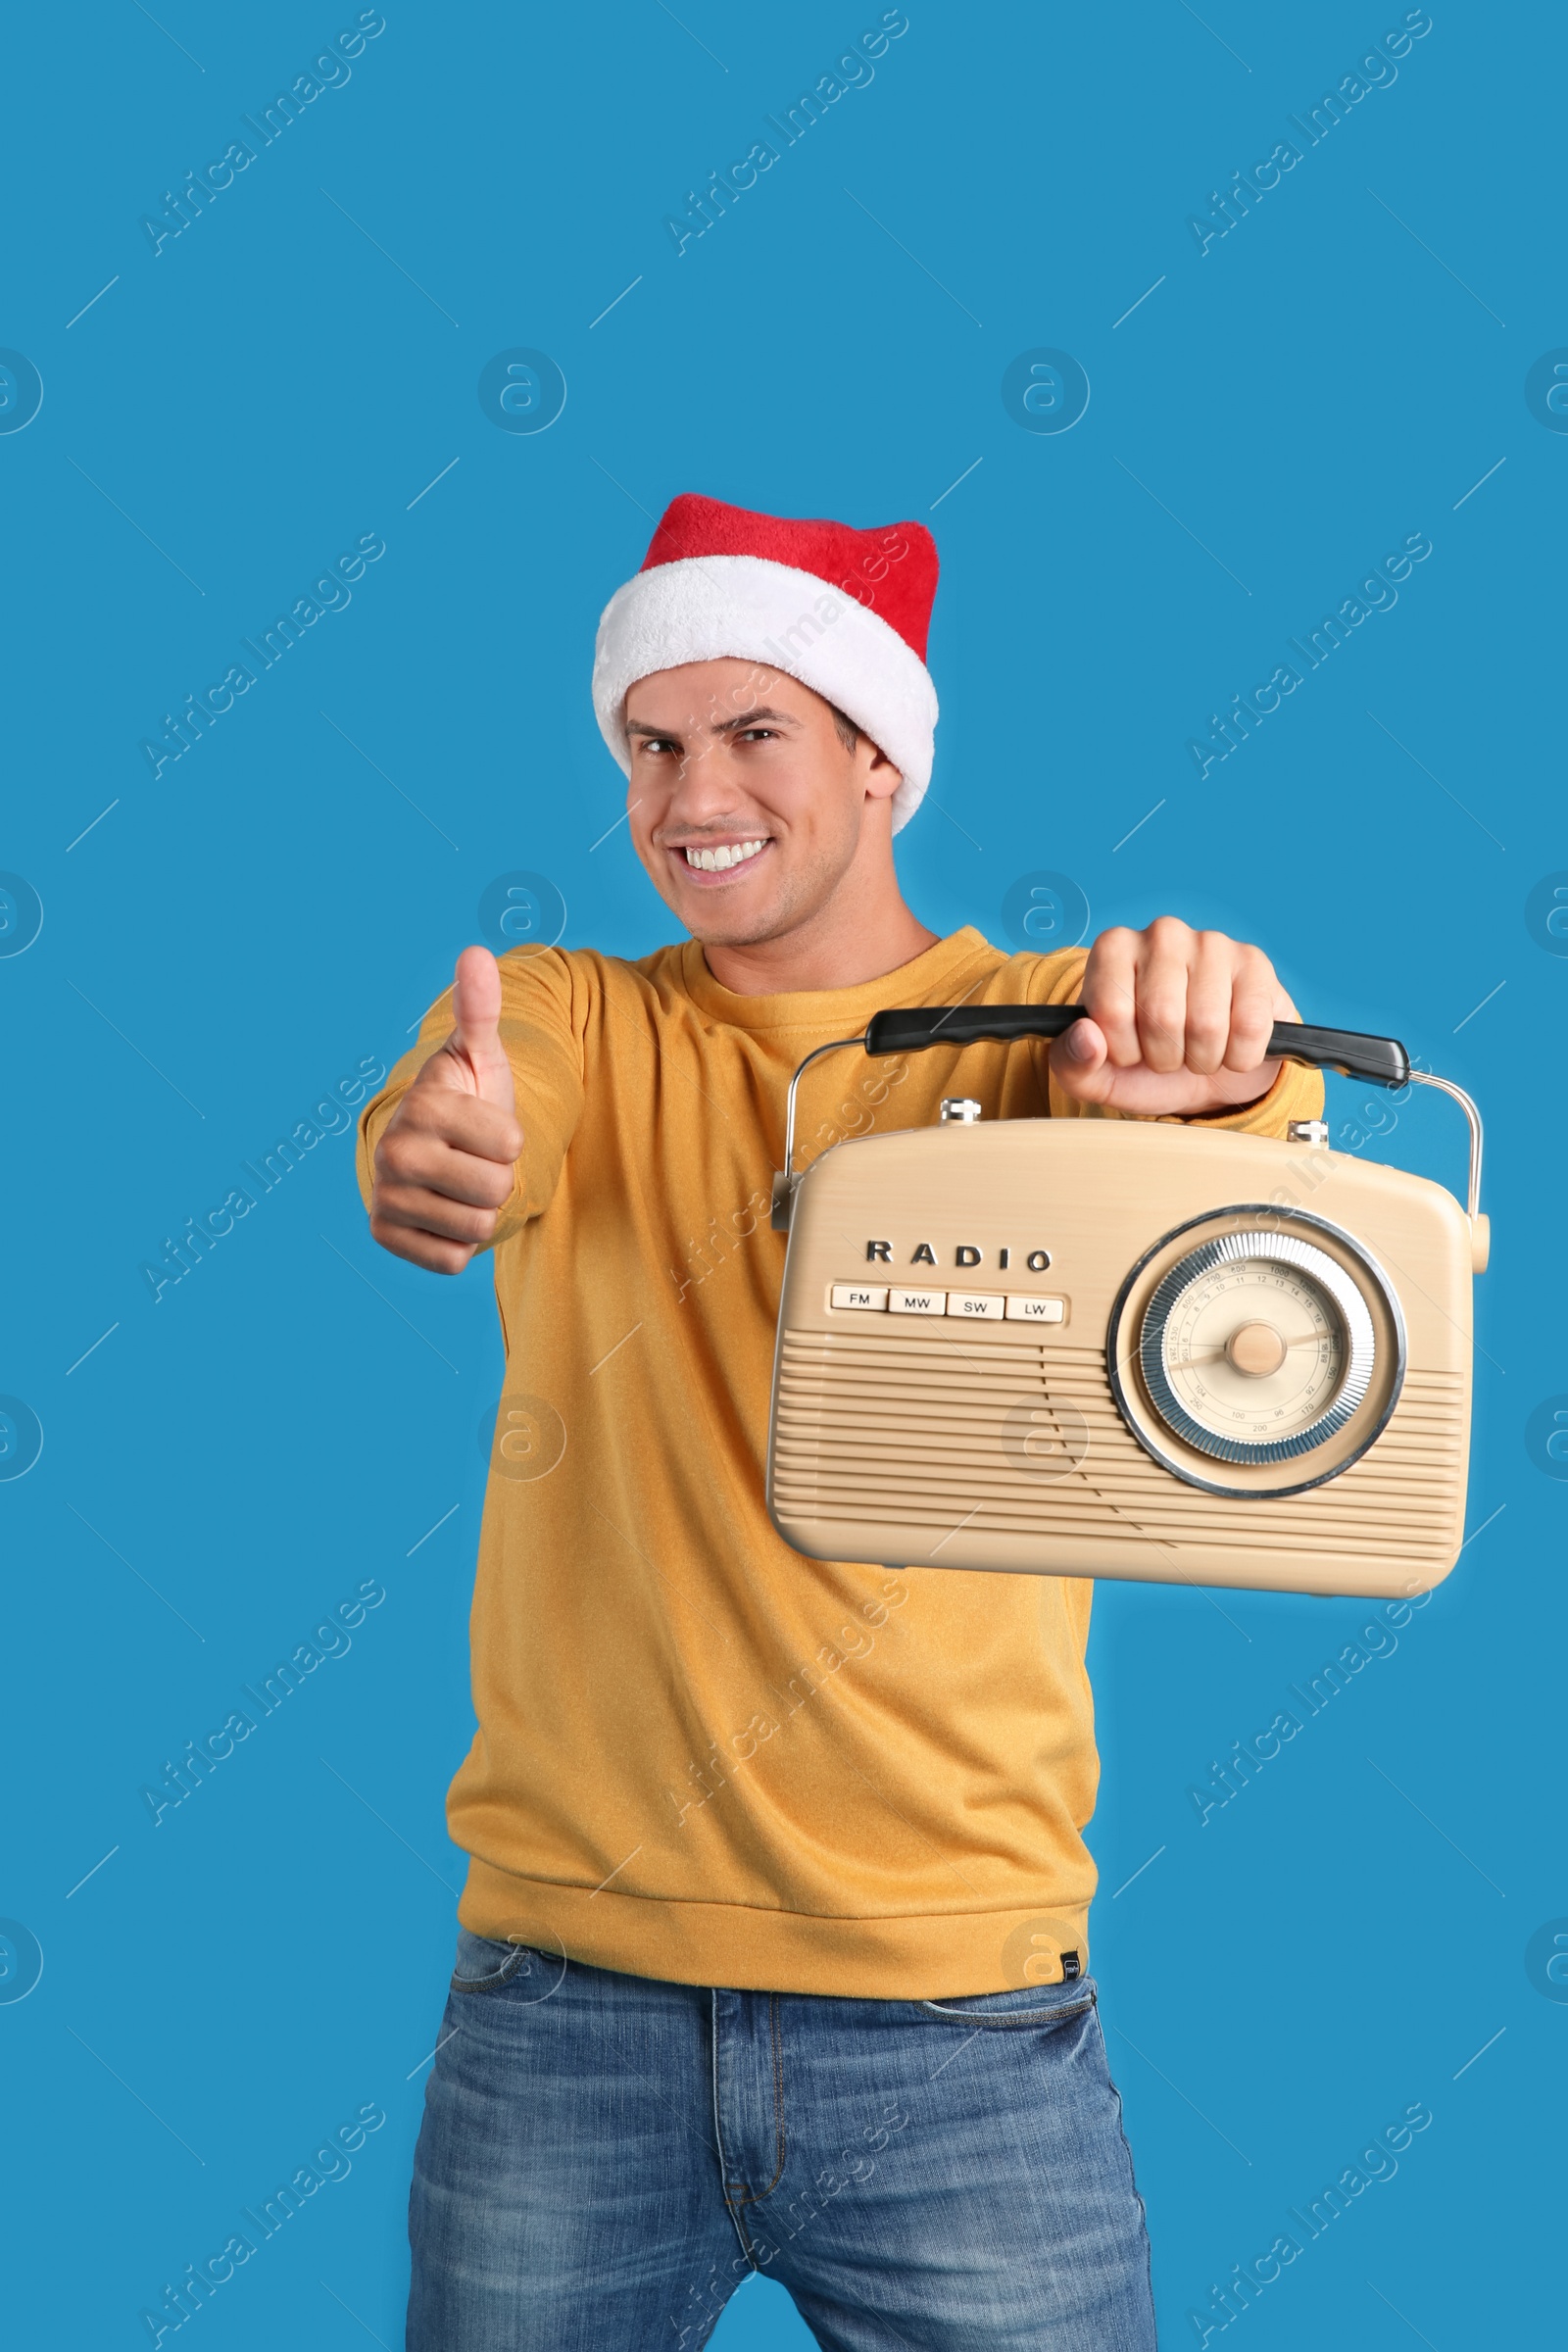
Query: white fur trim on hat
[{"x": 706, "y": 607}]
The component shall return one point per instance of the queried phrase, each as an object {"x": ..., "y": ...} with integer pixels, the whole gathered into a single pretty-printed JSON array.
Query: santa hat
[{"x": 844, "y": 611}]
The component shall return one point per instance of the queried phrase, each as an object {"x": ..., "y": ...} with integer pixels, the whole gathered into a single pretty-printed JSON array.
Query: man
[{"x": 774, "y": 1933}]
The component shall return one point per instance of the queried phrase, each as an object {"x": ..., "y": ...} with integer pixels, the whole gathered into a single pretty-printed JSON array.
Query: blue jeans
[{"x": 603, "y": 2159}]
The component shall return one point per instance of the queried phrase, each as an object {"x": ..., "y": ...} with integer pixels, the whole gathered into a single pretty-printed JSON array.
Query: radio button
[
  {"x": 979, "y": 1307},
  {"x": 917, "y": 1303},
  {"x": 856, "y": 1294},
  {"x": 1037, "y": 1311}
]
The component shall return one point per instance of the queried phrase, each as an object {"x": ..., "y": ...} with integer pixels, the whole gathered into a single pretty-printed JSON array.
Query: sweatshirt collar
[{"x": 942, "y": 971}]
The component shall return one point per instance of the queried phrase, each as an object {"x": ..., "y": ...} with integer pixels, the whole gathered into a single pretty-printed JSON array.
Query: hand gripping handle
[{"x": 1382, "y": 1059}]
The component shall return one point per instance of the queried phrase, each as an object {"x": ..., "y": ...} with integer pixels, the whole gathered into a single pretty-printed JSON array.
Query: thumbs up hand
[{"x": 446, "y": 1163}]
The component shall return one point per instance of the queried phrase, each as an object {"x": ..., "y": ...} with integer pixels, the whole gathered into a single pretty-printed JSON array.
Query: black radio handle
[{"x": 1382, "y": 1059}]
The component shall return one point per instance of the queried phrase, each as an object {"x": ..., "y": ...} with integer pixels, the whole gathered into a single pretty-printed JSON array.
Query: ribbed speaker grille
[{"x": 910, "y": 1430}]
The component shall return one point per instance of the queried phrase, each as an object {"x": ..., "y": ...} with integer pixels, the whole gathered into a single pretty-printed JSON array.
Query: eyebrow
[{"x": 724, "y": 726}]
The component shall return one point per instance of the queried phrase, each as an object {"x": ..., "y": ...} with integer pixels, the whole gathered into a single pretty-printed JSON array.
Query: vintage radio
[{"x": 1124, "y": 1348}]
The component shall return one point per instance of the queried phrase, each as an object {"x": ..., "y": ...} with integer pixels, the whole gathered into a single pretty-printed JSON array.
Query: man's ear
[{"x": 881, "y": 779}]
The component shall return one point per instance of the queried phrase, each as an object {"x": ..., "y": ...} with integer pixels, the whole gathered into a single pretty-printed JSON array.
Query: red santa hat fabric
[{"x": 844, "y": 611}]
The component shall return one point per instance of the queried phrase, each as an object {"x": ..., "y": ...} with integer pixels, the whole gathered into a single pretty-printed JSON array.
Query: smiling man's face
[{"x": 744, "y": 803}]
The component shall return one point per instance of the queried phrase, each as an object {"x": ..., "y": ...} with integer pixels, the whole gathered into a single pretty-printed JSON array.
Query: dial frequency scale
[{"x": 1119, "y": 1347}]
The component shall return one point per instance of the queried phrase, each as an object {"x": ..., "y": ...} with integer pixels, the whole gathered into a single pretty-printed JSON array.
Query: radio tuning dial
[{"x": 1256, "y": 1347}]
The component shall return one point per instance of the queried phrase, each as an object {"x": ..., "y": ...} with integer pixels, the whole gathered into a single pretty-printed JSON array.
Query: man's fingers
[
  {"x": 420, "y": 1248},
  {"x": 1162, "y": 994},
  {"x": 416, "y": 1208},
  {"x": 1182, "y": 1019},
  {"x": 446, "y": 1165},
  {"x": 469, "y": 1152},
  {"x": 443, "y": 1169},
  {"x": 460, "y": 1120},
  {"x": 1209, "y": 1005},
  {"x": 430, "y": 1165},
  {"x": 1111, "y": 991},
  {"x": 1256, "y": 1003}
]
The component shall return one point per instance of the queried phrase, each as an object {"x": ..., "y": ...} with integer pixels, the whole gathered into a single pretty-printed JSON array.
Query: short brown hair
[{"x": 848, "y": 734}]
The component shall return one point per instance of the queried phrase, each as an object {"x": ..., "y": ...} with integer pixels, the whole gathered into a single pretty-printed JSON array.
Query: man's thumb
[
  {"x": 477, "y": 1026},
  {"x": 1081, "y": 1065}
]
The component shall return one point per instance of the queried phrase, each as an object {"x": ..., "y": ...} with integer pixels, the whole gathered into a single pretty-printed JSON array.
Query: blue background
[{"x": 228, "y": 940}]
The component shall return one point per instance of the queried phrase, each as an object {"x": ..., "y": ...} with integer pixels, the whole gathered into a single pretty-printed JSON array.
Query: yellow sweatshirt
[{"x": 700, "y": 1756}]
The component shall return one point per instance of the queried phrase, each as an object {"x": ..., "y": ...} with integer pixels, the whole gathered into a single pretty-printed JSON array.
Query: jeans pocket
[
  {"x": 1026, "y": 2006},
  {"x": 483, "y": 1965}
]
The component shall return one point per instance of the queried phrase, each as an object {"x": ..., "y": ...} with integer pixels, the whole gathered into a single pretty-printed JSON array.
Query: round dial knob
[{"x": 1256, "y": 1346}]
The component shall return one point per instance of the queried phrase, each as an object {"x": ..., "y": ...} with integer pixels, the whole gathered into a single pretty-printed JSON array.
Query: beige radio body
[{"x": 964, "y": 1376}]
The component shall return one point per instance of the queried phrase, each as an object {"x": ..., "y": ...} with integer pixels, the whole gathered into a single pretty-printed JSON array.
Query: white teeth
[{"x": 719, "y": 860}]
